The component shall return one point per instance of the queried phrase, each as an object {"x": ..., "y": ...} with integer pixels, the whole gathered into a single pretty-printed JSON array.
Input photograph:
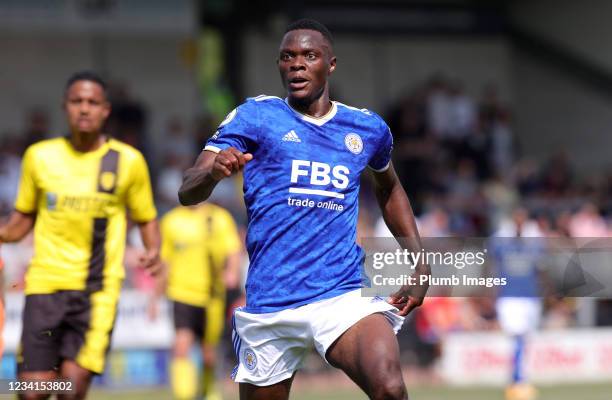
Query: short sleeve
[
  {"x": 382, "y": 157},
  {"x": 239, "y": 129},
  {"x": 27, "y": 196},
  {"x": 139, "y": 193}
]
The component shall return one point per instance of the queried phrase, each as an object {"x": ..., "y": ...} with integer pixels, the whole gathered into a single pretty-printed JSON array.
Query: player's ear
[
  {"x": 332, "y": 65},
  {"x": 107, "y": 109}
]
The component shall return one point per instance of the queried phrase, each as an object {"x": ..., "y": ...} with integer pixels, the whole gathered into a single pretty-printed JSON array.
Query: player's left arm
[
  {"x": 151, "y": 238},
  {"x": 398, "y": 216},
  {"x": 139, "y": 201}
]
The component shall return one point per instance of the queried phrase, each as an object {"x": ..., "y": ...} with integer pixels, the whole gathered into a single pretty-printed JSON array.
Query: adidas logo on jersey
[{"x": 291, "y": 136}]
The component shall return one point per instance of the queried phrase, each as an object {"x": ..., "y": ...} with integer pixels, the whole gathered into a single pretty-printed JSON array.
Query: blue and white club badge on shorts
[
  {"x": 250, "y": 360},
  {"x": 353, "y": 143}
]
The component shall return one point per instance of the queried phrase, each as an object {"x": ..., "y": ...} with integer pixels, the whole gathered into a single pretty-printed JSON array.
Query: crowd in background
[{"x": 457, "y": 157}]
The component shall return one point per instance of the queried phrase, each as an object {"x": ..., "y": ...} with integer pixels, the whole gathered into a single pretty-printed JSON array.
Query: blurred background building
[{"x": 493, "y": 105}]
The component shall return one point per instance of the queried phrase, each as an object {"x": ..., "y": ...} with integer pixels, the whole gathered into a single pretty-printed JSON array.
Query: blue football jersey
[
  {"x": 301, "y": 194},
  {"x": 518, "y": 260}
]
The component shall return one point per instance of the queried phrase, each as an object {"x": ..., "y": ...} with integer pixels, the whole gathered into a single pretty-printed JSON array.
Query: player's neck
[
  {"x": 86, "y": 142},
  {"x": 317, "y": 108}
]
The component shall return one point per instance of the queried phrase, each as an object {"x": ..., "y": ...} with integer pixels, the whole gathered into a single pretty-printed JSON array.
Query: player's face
[
  {"x": 305, "y": 61},
  {"x": 86, "y": 107}
]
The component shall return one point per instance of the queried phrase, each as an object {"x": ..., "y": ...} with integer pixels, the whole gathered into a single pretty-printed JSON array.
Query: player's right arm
[
  {"x": 210, "y": 167},
  {"x": 225, "y": 153},
  {"x": 23, "y": 217},
  {"x": 18, "y": 225}
]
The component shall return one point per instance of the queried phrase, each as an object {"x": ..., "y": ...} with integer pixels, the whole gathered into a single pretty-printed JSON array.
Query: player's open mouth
[{"x": 297, "y": 83}]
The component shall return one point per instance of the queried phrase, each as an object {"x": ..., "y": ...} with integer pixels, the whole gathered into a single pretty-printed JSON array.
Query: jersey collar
[{"x": 319, "y": 121}]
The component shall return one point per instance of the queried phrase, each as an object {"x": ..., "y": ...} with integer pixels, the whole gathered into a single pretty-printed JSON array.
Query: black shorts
[
  {"x": 190, "y": 317},
  {"x": 67, "y": 325}
]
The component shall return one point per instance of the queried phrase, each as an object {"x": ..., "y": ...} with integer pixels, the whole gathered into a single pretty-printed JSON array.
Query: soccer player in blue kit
[{"x": 302, "y": 158}]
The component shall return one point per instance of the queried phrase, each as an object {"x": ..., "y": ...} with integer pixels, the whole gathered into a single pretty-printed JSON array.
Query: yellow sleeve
[
  {"x": 228, "y": 233},
  {"x": 27, "y": 196},
  {"x": 139, "y": 194}
]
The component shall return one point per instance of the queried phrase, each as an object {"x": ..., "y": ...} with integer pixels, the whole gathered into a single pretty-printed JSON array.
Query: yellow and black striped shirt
[{"x": 80, "y": 201}]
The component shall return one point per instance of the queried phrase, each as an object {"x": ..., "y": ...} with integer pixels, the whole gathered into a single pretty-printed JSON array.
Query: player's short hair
[
  {"x": 312, "y": 25},
  {"x": 86, "y": 76}
]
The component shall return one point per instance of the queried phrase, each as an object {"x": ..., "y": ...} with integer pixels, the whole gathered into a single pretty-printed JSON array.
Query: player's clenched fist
[{"x": 228, "y": 162}]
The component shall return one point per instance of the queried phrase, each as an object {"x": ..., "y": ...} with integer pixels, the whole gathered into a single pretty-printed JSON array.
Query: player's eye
[
  {"x": 285, "y": 57},
  {"x": 311, "y": 56}
]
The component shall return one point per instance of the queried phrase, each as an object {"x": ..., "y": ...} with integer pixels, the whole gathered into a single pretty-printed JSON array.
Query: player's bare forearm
[
  {"x": 200, "y": 180},
  {"x": 398, "y": 216},
  {"x": 151, "y": 238},
  {"x": 232, "y": 270},
  {"x": 17, "y": 227}
]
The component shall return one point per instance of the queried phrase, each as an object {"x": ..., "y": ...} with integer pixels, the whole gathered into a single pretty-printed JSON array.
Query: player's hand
[
  {"x": 408, "y": 297},
  {"x": 404, "y": 304},
  {"x": 150, "y": 262},
  {"x": 228, "y": 162}
]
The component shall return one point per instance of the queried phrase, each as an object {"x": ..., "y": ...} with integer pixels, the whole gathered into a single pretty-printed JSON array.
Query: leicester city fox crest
[
  {"x": 250, "y": 359},
  {"x": 353, "y": 143}
]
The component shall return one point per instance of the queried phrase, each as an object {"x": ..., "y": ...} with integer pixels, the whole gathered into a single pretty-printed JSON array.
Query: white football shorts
[
  {"x": 519, "y": 315},
  {"x": 270, "y": 347}
]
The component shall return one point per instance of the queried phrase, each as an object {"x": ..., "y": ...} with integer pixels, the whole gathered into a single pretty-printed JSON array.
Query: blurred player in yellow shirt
[
  {"x": 202, "y": 250},
  {"x": 75, "y": 192}
]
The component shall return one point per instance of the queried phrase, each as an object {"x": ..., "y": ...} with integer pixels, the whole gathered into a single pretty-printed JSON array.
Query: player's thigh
[
  {"x": 42, "y": 333},
  {"x": 368, "y": 353},
  {"x": 277, "y": 391}
]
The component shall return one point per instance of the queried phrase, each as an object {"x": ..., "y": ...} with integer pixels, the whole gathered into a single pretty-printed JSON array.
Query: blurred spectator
[
  {"x": 587, "y": 222},
  {"x": 177, "y": 155},
  {"x": 461, "y": 113},
  {"x": 434, "y": 223},
  {"x": 128, "y": 120},
  {"x": 502, "y": 145},
  {"x": 177, "y": 142},
  {"x": 438, "y": 104},
  {"x": 37, "y": 126},
  {"x": 169, "y": 181},
  {"x": 501, "y": 198},
  {"x": 10, "y": 167},
  {"x": 557, "y": 175},
  {"x": 414, "y": 147}
]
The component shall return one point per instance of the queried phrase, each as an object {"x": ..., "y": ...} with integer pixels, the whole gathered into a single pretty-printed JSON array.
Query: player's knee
[
  {"x": 390, "y": 389},
  {"x": 389, "y": 383}
]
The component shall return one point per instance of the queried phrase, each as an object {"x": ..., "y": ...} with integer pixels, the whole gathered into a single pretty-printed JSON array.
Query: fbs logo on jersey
[
  {"x": 319, "y": 174},
  {"x": 291, "y": 136},
  {"x": 353, "y": 143},
  {"x": 107, "y": 180}
]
